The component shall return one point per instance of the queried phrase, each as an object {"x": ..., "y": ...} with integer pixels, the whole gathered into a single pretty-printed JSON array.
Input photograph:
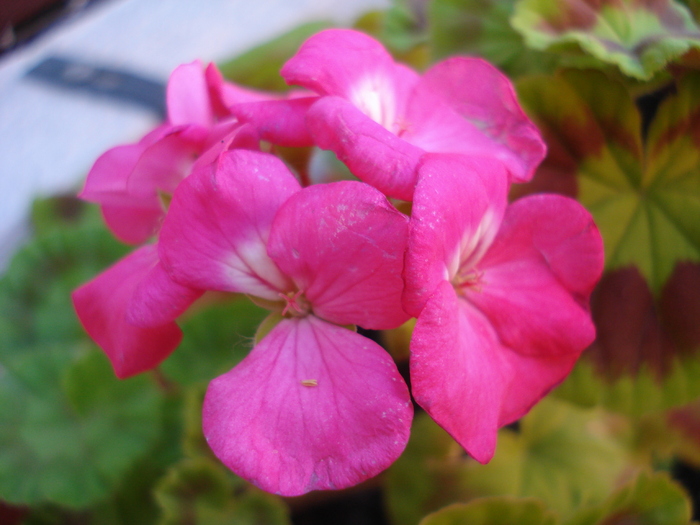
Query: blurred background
[{"x": 80, "y": 76}]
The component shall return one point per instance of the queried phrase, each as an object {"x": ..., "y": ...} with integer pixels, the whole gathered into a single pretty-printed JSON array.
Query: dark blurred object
[
  {"x": 110, "y": 83},
  {"x": 11, "y": 515},
  {"x": 356, "y": 507},
  {"x": 689, "y": 477},
  {"x": 21, "y": 20}
]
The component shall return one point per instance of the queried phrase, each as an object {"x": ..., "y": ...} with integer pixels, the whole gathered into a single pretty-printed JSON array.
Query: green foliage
[
  {"x": 643, "y": 194},
  {"x": 133, "y": 502},
  {"x": 482, "y": 28},
  {"x": 402, "y": 28},
  {"x": 76, "y": 443},
  {"x": 194, "y": 444},
  {"x": 35, "y": 304},
  {"x": 694, "y": 6},
  {"x": 216, "y": 338},
  {"x": 427, "y": 475},
  {"x": 202, "y": 491},
  {"x": 634, "y": 395},
  {"x": 647, "y": 500},
  {"x": 259, "y": 68},
  {"x": 640, "y": 37},
  {"x": 642, "y": 185},
  {"x": 493, "y": 511},
  {"x": 79, "y": 446},
  {"x": 69, "y": 430},
  {"x": 537, "y": 461}
]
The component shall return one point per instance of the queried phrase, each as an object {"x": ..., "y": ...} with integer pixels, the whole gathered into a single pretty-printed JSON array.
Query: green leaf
[
  {"x": 133, "y": 501},
  {"x": 493, "y": 511},
  {"x": 405, "y": 25},
  {"x": 202, "y": 491},
  {"x": 259, "y": 67},
  {"x": 632, "y": 395},
  {"x": 194, "y": 444},
  {"x": 482, "y": 27},
  {"x": 402, "y": 28},
  {"x": 35, "y": 291},
  {"x": 640, "y": 37},
  {"x": 643, "y": 189},
  {"x": 564, "y": 456},
  {"x": 646, "y": 357},
  {"x": 426, "y": 476},
  {"x": 215, "y": 339},
  {"x": 650, "y": 499},
  {"x": 69, "y": 430},
  {"x": 71, "y": 446},
  {"x": 694, "y": 6},
  {"x": 644, "y": 195},
  {"x": 57, "y": 212}
]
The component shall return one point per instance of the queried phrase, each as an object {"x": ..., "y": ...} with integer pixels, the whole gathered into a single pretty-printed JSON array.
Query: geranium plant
[{"x": 379, "y": 275}]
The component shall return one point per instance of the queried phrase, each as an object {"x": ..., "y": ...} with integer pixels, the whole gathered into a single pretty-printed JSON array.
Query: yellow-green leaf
[
  {"x": 643, "y": 194},
  {"x": 638, "y": 36},
  {"x": 482, "y": 27},
  {"x": 494, "y": 511},
  {"x": 199, "y": 490},
  {"x": 565, "y": 456},
  {"x": 650, "y": 499},
  {"x": 646, "y": 357}
]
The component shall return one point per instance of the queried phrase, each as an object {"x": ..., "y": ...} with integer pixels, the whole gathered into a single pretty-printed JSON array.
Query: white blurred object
[{"x": 50, "y": 137}]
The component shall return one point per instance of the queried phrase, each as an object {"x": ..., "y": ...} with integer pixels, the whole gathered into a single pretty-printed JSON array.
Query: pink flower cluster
[{"x": 500, "y": 291}]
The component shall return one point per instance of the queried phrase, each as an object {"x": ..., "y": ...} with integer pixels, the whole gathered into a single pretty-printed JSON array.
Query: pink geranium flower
[
  {"x": 501, "y": 295},
  {"x": 130, "y": 309},
  {"x": 379, "y": 117},
  {"x": 130, "y": 181},
  {"x": 315, "y": 405}
]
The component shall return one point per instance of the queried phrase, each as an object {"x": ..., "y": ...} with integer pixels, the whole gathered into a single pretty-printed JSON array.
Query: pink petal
[
  {"x": 107, "y": 180},
  {"x": 187, "y": 96},
  {"x": 125, "y": 174},
  {"x": 226, "y": 135},
  {"x": 459, "y": 371},
  {"x": 102, "y": 306},
  {"x": 127, "y": 180},
  {"x": 134, "y": 224},
  {"x": 132, "y": 219},
  {"x": 534, "y": 377},
  {"x": 224, "y": 94},
  {"x": 457, "y": 207},
  {"x": 564, "y": 233},
  {"x": 349, "y": 423},
  {"x": 432, "y": 125},
  {"x": 355, "y": 67},
  {"x": 538, "y": 274},
  {"x": 372, "y": 153},
  {"x": 492, "y": 121},
  {"x": 215, "y": 234},
  {"x": 347, "y": 258},
  {"x": 158, "y": 299},
  {"x": 280, "y": 122},
  {"x": 163, "y": 164}
]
